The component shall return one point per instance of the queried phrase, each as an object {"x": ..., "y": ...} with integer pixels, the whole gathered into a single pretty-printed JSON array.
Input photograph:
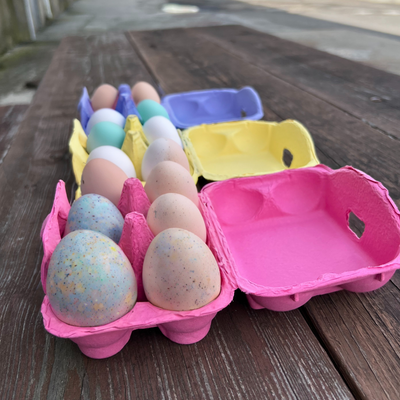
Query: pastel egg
[
  {"x": 95, "y": 213},
  {"x": 160, "y": 127},
  {"x": 173, "y": 210},
  {"x": 90, "y": 281},
  {"x": 105, "y": 114},
  {"x": 104, "y": 96},
  {"x": 163, "y": 150},
  {"x": 170, "y": 177},
  {"x": 142, "y": 91},
  {"x": 150, "y": 108},
  {"x": 105, "y": 134},
  {"x": 104, "y": 178},
  {"x": 116, "y": 156},
  {"x": 180, "y": 272}
]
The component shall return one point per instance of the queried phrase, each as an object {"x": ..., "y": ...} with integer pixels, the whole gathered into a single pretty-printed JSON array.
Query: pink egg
[
  {"x": 170, "y": 177},
  {"x": 104, "y": 96},
  {"x": 143, "y": 91},
  {"x": 180, "y": 272},
  {"x": 104, "y": 178},
  {"x": 163, "y": 150},
  {"x": 172, "y": 210}
]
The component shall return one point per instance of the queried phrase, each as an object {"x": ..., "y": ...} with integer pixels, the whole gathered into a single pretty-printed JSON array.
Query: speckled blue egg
[
  {"x": 90, "y": 281},
  {"x": 95, "y": 213}
]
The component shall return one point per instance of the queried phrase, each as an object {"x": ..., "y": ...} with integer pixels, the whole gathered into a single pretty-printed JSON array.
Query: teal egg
[
  {"x": 150, "y": 108},
  {"x": 105, "y": 134}
]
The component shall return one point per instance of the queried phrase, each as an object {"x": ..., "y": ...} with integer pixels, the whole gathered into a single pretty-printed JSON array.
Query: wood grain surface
[
  {"x": 338, "y": 346},
  {"x": 332, "y": 98}
]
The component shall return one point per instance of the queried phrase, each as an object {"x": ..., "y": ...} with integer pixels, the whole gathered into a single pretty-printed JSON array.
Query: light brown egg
[
  {"x": 163, "y": 150},
  {"x": 143, "y": 91},
  {"x": 104, "y": 178},
  {"x": 104, "y": 96},
  {"x": 180, "y": 272},
  {"x": 172, "y": 210},
  {"x": 170, "y": 177}
]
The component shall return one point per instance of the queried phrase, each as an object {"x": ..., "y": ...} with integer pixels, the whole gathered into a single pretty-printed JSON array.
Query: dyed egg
[
  {"x": 105, "y": 114},
  {"x": 95, "y": 213},
  {"x": 144, "y": 91},
  {"x": 104, "y": 96},
  {"x": 90, "y": 281},
  {"x": 105, "y": 134},
  {"x": 173, "y": 210},
  {"x": 116, "y": 156},
  {"x": 163, "y": 150},
  {"x": 161, "y": 127},
  {"x": 180, "y": 272},
  {"x": 170, "y": 177},
  {"x": 150, "y": 108},
  {"x": 104, "y": 178}
]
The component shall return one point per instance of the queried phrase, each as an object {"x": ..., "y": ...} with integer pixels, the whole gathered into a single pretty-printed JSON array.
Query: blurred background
[{"x": 366, "y": 31}]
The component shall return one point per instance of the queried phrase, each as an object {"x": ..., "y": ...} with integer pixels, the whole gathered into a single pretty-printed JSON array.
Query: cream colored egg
[
  {"x": 104, "y": 178},
  {"x": 180, "y": 272},
  {"x": 170, "y": 177},
  {"x": 104, "y": 96},
  {"x": 172, "y": 210},
  {"x": 163, "y": 150},
  {"x": 143, "y": 91}
]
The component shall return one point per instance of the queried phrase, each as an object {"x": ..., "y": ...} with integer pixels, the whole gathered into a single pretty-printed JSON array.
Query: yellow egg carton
[
  {"x": 247, "y": 148},
  {"x": 134, "y": 146}
]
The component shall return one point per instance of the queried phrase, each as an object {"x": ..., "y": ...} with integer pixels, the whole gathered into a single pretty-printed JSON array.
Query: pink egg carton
[
  {"x": 285, "y": 237},
  {"x": 280, "y": 238},
  {"x": 182, "y": 327}
]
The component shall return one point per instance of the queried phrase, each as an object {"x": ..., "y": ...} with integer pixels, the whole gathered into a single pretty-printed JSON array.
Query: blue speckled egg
[
  {"x": 90, "y": 281},
  {"x": 95, "y": 213}
]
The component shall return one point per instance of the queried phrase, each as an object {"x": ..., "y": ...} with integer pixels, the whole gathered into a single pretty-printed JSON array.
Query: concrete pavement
[{"x": 312, "y": 23}]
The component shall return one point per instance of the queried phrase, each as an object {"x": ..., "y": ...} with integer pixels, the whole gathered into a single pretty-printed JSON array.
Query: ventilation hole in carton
[
  {"x": 287, "y": 158},
  {"x": 356, "y": 225},
  {"x": 243, "y": 113}
]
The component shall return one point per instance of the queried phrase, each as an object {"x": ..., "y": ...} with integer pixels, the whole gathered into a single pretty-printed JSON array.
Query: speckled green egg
[
  {"x": 105, "y": 134},
  {"x": 95, "y": 213},
  {"x": 90, "y": 281},
  {"x": 150, "y": 108}
]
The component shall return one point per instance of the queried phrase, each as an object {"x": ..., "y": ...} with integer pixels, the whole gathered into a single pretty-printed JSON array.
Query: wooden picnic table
[{"x": 338, "y": 346}]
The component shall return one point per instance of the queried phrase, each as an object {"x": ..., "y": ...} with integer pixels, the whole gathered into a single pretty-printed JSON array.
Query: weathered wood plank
[
  {"x": 37, "y": 159},
  {"x": 363, "y": 357},
  {"x": 367, "y": 93},
  {"x": 246, "y": 355},
  {"x": 340, "y": 138},
  {"x": 10, "y": 118}
]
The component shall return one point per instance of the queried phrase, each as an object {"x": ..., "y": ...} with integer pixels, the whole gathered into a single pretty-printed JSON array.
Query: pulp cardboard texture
[
  {"x": 286, "y": 237},
  {"x": 212, "y": 106},
  {"x": 227, "y": 150},
  {"x": 104, "y": 341},
  {"x": 280, "y": 238}
]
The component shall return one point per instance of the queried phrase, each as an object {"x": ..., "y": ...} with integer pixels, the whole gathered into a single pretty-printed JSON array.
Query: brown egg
[
  {"x": 104, "y": 178},
  {"x": 163, "y": 150},
  {"x": 172, "y": 210},
  {"x": 170, "y": 177},
  {"x": 104, "y": 96},
  {"x": 143, "y": 91},
  {"x": 180, "y": 272}
]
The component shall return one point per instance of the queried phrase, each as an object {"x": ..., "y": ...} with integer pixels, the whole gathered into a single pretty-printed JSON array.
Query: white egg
[
  {"x": 105, "y": 114},
  {"x": 116, "y": 156},
  {"x": 161, "y": 127}
]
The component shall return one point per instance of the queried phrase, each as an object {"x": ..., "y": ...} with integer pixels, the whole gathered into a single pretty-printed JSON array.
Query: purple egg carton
[
  {"x": 125, "y": 105},
  {"x": 213, "y": 106}
]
